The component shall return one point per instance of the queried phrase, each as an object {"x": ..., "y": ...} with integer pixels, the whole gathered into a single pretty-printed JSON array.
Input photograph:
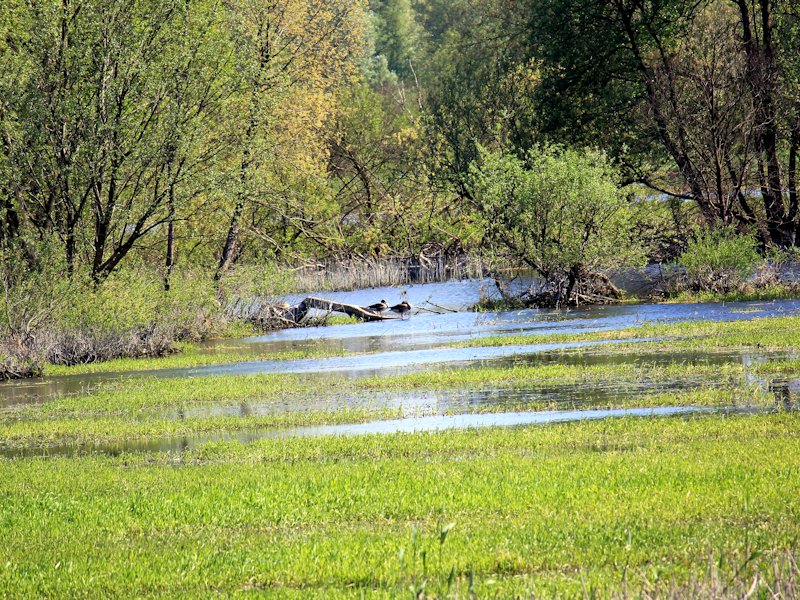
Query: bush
[
  {"x": 131, "y": 315},
  {"x": 47, "y": 317},
  {"x": 719, "y": 260},
  {"x": 559, "y": 212}
]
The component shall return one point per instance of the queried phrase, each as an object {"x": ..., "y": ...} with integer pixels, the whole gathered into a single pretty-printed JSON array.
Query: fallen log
[{"x": 300, "y": 311}]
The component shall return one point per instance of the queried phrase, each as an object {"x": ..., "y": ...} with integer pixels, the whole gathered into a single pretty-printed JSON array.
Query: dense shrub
[
  {"x": 49, "y": 317},
  {"x": 719, "y": 259},
  {"x": 560, "y": 213},
  {"x": 130, "y": 314}
]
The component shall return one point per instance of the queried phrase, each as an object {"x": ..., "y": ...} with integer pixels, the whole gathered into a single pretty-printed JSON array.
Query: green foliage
[
  {"x": 397, "y": 36},
  {"x": 480, "y": 82},
  {"x": 49, "y": 318},
  {"x": 559, "y": 212},
  {"x": 719, "y": 259}
]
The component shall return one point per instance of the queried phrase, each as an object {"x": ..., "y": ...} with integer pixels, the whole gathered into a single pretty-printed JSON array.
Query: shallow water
[
  {"x": 444, "y": 401},
  {"x": 399, "y": 345},
  {"x": 405, "y": 425},
  {"x": 420, "y": 342}
]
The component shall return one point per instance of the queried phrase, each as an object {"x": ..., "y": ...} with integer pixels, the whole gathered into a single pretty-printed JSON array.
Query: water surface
[
  {"x": 405, "y": 425},
  {"x": 396, "y": 345}
]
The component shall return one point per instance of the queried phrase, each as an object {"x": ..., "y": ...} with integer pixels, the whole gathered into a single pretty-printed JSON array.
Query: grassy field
[
  {"x": 771, "y": 333},
  {"x": 191, "y": 356},
  {"x": 623, "y": 504},
  {"x": 672, "y": 506}
]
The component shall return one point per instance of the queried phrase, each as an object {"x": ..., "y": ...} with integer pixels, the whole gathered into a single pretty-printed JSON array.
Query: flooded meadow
[{"x": 321, "y": 454}]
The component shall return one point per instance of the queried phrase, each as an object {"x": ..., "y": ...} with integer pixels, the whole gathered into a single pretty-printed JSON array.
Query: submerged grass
[
  {"x": 575, "y": 374},
  {"x": 605, "y": 507},
  {"x": 37, "y": 432},
  {"x": 180, "y": 407},
  {"x": 192, "y": 356},
  {"x": 103, "y": 430},
  {"x": 144, "y": 395}
]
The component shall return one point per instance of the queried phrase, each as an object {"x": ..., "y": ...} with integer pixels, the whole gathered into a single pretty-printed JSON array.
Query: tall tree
[
  {"x": 291, "y": 56},
  {"x": 98, "y": 135},
  {"x": 479, "y": 87},
  {"x": 639, "y": 69}
]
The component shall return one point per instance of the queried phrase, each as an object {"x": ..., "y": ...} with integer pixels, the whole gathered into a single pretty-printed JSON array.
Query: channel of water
[{"x": 421, "y": 342}]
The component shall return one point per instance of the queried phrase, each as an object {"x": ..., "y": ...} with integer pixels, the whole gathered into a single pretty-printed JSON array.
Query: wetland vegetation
[
  {"x": 592, "y": 207},
  {"x": 177, "y": 482},
  {"x": 623, "y": 505}
]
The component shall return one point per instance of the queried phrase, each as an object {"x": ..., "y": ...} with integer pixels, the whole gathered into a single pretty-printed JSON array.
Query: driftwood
[
  {"x": 299, "y": 312},
  {"x": 271, "y": 316}
]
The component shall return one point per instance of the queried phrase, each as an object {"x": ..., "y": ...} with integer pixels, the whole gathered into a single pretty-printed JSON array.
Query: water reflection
[{"x": 406, "y": 425}]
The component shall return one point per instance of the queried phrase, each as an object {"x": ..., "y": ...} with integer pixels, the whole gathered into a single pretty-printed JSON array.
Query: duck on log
[{"x": 300, "y": 311}]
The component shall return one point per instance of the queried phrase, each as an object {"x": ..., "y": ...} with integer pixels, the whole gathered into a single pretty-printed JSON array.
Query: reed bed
[{"x": 359, "y": 273}]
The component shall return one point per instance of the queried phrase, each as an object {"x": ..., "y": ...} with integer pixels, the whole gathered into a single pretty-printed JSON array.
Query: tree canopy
[{"x": 214, "y": 133}]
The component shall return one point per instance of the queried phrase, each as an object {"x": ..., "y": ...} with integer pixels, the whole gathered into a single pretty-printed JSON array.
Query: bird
[
  {"x": 379, "y": 307},
  {"x": 403, "y": 308}
]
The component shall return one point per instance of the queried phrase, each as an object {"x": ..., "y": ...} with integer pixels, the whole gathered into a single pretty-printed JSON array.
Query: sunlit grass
[
  {"x": 762, "y": 333},
  {"x": 618, "y": 506},
  {"x": 191, "y": 356},
  {"x": 601, "y": 506},
  {"x": 748, "y": 294}
]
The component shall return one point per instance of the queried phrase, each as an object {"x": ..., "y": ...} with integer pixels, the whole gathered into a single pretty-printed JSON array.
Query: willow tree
[
  {"x": 101, "y": 123},
  {"x": 291, "y": 56},
  {"x": 559, "y": 212}
]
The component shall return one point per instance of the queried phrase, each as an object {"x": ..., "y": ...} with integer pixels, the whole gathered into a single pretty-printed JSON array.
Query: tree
[
  {"x": 560, "y": 213},
  {"x": 397, "y": 35},
  {"x": 665, "y": 93},
  {"x": 100, "y": 129},
  {"x": 480, "y": 84},
  {"x": 291, "y": 57}
]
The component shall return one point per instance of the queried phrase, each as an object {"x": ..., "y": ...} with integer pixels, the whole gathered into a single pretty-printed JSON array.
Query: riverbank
[{"x": 135, "y": 320}]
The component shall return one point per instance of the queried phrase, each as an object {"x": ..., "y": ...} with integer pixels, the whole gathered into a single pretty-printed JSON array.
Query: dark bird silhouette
[
  {"x": 379, "y": 307},
  {"x": 403, "y": 308}
]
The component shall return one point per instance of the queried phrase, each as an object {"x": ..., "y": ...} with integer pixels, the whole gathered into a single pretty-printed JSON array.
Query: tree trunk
[
  {"x": 761, "y": 74},
  {"x": 228, "y": 248},
  {"x": 301, "y": 310},
  {"x": 169, "y": 259}
]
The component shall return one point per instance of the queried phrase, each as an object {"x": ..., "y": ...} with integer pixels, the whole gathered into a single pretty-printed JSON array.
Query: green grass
[
  {"x": 768, "y": 333},
  {"x": 747, "y": 294},
  {"x": 603, "y": 505},
  {"x": 191, "y": 356},
  {"x": 595, "y": 508}
]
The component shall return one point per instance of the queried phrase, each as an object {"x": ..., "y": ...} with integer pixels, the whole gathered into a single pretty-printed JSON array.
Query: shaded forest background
[{"x": 210, "y": 133}]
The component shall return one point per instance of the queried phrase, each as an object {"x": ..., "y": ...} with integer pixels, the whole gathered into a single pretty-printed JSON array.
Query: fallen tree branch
[{"x": 300, "y": 311}]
